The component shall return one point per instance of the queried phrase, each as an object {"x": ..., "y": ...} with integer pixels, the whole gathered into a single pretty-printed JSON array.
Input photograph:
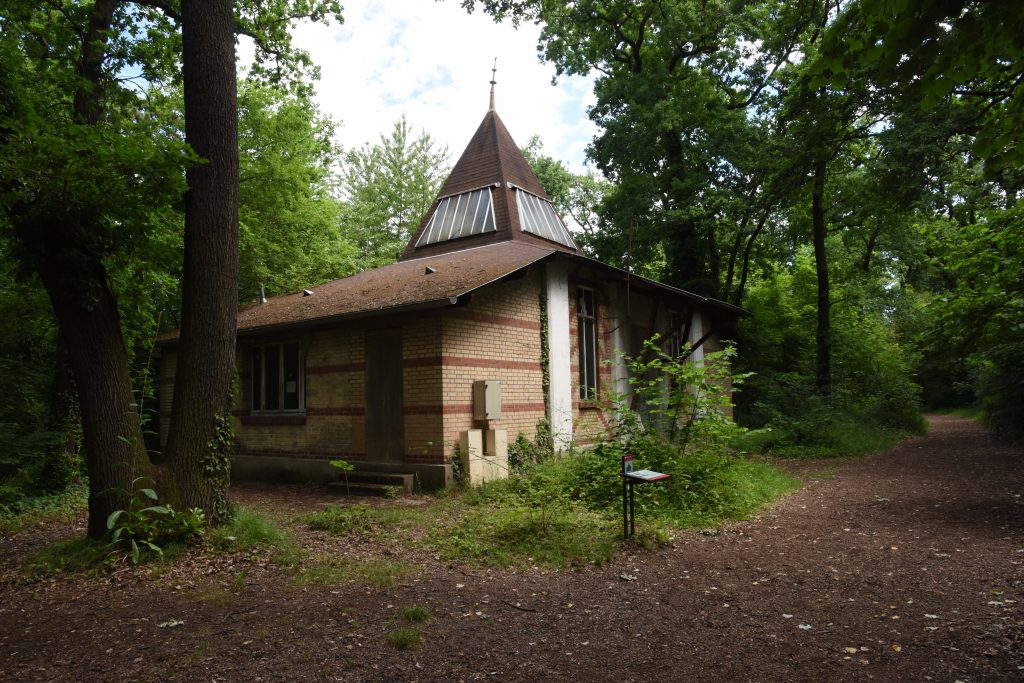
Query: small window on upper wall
[
  {"x": 586, "y": 342},
  {"x": 277, "y": 379}
]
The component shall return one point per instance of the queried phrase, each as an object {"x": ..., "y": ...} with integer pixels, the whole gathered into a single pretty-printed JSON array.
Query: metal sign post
[{"x": 631, "y": 477}]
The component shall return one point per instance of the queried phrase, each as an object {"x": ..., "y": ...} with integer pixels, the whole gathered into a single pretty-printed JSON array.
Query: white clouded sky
[{"x": 432, "y": 62}]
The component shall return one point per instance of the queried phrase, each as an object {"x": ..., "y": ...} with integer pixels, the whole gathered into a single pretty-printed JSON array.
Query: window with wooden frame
[
  {"x": 586, "y": 342},
  {"x": 277, "y": 379}
]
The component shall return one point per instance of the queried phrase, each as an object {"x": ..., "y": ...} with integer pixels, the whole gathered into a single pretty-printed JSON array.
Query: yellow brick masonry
[
  {"x": 497, "y": 336},
  {"x": 334, "y": 391}
]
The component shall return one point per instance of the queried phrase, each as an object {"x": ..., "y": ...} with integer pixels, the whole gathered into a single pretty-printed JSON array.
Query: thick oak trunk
[
  {"x": 196, "y": 453},
  {"x": 824, "y": 331},
  {"x": 90, "y": 323}
]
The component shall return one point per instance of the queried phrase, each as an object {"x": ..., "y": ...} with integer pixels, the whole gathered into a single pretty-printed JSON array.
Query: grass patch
[
  {"x": 330, "y": 571},
  {"x": 516, "y": 535},
  {"x": 415, "y": 614},
  {"x": 88, "y": 556},
  {"x": 404, "y": 638},
  {"x": 248, "y": 530},
  {"x": 971, "y": 413},
  {"x": 747, "y": 487},
  {"x": 363, "y": 519},
  {"x": 64, "y": 506},
  {"x": 72, "y": 556},
  {"x": 832, "y": 438}
]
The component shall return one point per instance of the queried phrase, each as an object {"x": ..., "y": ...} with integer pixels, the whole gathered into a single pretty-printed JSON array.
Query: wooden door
[{"x": 385, "y": 408}]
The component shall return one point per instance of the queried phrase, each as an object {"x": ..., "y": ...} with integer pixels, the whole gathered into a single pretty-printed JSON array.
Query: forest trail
[{"x": 908, "y": 565}]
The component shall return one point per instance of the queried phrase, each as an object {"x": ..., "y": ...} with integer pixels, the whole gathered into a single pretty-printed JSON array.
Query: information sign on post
[{"x": 630, "y": 477}]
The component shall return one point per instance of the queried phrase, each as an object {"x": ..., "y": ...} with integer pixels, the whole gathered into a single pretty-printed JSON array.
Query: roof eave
[{"x": 714, "y": 303}]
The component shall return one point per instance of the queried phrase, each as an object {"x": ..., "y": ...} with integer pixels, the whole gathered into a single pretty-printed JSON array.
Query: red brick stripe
[
  {"x": 352, "y": 411},
  {"x": 467, "y": 409},
  {"x": 495, "y": 320}
]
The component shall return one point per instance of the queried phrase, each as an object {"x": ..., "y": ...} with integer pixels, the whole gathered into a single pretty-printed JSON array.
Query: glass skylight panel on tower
[
  {"x": 461, "y": 215},
  {"x": 537, "y": 216}
]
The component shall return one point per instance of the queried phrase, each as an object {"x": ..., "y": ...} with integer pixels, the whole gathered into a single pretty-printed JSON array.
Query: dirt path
[{"x": 906, "y": 566}]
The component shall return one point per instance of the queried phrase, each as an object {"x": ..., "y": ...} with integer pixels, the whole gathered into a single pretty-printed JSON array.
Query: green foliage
[
  {"x": 387, "y": 188},
  {"x": 289, "y": 236},
  {"x": 540, "y": 510},
  {"x": 458, "y": 471},
  {"x": 703, "y": 489},
  {"x": 248, "y": 530},
  {"x": 38, "y": 453},
  {"x": 871, "y": 368},
  {"x": 142, "y": 529},
  {"x": 63, "y": 505},
  {"x": 71, "y": 556},
  {"x": 931, "y": 51},
  {"x": 92, "y": 178},
  {"x": 685, "y": 402},
  {"x": 524, "y": 454},
  {"x": 820, "y": 433},
  {"x": 416, "y": 614},
  {"x": 344, "y": 467},
  {"x": 404, "y": 638},
  {"x": 515, "y": 534},
  {"x": 341, "y": 520},
  {"x": 982, "y": 319}
]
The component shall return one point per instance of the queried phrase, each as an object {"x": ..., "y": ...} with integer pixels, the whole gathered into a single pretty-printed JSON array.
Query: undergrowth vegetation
[
  {"x": 872, "y": 400},
  {"x": 553, "y": 510}
]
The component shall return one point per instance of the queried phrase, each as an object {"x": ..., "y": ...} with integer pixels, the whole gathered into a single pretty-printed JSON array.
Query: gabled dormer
[{"x": 492, "y": 195}]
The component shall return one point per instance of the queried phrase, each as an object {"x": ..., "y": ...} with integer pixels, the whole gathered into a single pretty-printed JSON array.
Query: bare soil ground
[{"x": 908, "y": 565}]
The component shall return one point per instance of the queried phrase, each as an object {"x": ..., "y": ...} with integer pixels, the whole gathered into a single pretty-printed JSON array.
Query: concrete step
[{"x": 375, "y": 483}]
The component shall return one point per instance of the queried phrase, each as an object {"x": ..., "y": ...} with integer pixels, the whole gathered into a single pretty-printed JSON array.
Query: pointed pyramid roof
[{"x": 491, "y": 160}]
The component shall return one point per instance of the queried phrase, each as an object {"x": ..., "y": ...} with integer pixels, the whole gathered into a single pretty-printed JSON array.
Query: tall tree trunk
[
  {"x": 824, "y": 332},
  {"x": 747, "y": 250},
  {"x": 90, "y": 323},
  {"x": 198, "y": 438},
  {"x": 730, "y": 270}
]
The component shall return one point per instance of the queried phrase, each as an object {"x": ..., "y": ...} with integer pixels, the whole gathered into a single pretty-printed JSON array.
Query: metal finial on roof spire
[{"x": 494, "y": 71}]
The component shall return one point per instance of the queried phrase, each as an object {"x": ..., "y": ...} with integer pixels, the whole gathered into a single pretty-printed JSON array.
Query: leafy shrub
[
  {"x": 524, "y": 454},
  {"x": 64, "y": 505},
  {"x": 686, "y": 402},
  {"x": 141, "y": 527}
]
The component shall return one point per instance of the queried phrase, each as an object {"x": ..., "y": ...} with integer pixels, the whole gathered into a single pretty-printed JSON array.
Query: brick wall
[
  {"x": 497, "y": 336},
  {"x": 422, "y": 390}
]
